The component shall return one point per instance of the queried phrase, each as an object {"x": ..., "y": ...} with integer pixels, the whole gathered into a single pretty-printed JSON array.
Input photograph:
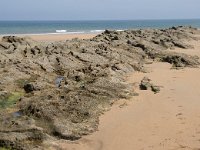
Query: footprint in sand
[
  {"x": 180, "y": 132},
  {"x": 140, "y": 140},
  {"x": 179, "y": 114},
  {"x": 181, "y": 118},
  {"x": 180, "y": 108}
]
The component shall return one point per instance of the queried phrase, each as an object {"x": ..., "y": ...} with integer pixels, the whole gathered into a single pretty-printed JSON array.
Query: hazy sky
[{"x": 98, "y": 9}]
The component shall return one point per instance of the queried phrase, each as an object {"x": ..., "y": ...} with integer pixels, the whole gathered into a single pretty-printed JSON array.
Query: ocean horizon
[{"x": 90, "y": 26}]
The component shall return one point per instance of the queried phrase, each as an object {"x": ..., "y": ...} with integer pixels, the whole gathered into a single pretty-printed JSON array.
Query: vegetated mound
[{"x": 58, "y": 90}]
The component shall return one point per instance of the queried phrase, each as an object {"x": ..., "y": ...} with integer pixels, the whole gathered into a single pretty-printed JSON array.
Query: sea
[{"x": 82, "y": 27}]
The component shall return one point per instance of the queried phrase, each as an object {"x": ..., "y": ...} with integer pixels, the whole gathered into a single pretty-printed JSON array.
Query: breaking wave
[{"x": 61, "y": 31}]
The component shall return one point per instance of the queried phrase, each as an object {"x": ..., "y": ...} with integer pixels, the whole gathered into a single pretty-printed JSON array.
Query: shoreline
[
  {"x": 51, "y": 37},
  {"x": 56, "y": 33}
]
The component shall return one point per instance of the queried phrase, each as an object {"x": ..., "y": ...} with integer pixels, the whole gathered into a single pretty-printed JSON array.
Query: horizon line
[{"x": 103, "y": 19}]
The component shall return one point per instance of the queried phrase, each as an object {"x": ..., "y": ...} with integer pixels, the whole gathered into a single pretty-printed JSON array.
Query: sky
[{"x": 98, "y": 9}]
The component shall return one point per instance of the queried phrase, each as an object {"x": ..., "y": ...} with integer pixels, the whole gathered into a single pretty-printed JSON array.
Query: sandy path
[{"x": 169, "y": 120}]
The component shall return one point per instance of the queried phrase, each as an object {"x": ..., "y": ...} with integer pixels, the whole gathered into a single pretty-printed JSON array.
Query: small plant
[{"x": 9, "y": 99}]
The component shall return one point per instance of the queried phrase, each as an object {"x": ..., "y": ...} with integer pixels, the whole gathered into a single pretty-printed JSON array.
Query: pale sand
[
  {"x": 61, "y": 37},
  {"x": 57, "y": 37},
  {"x": 169, "y": 120}
]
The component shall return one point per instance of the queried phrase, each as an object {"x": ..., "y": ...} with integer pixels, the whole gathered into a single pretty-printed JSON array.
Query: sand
[
  {"x": 61, "y": 37},
  {"x": 169, "y": 120},
  {"x": 57, "y": 37}
]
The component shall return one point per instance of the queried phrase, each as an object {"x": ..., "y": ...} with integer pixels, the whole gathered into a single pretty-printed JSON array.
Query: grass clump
[{"x": 7, "y": 100}]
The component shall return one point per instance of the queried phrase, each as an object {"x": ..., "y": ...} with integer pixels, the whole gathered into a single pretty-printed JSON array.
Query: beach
[
  {"x": 163, "y": 121},
  {"x": 100, "y": 75},
  {"x": 101, "y": 86},
  {"x": 56, "y": 37},
  {"x": 61, "y": 37}
]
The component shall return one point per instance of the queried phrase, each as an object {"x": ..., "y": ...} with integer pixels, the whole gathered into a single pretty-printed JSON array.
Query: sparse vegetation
[
  {"x": 9, "y": 99},
  {"x": 3, "y": 148}
]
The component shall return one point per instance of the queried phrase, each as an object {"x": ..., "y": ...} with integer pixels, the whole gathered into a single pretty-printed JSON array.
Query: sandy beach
[
  {"x": 56, "y": 37},
  {"x": 169, "y": 120},
  {"x": 61, "y": 37}
]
